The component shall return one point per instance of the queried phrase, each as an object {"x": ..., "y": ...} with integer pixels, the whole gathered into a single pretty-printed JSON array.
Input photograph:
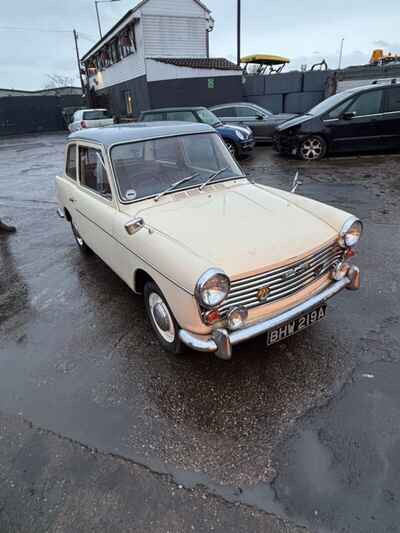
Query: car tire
[
  {"x": 232, "y": 148},
  {"x": 158, "y": 310},
  {"x": 312, "y": 148},
  {"x": 83, "y": 247}
]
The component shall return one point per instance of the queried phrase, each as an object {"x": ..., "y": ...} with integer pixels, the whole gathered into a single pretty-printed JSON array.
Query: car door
[
  {"x": 94, "y": 202},
  {"x": 252, "y": 117},
  {"x": 389, "y": 122},
  {"x": 356, "y": 127}
]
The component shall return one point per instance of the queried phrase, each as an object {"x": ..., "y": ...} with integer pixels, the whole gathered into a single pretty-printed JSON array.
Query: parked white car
[
  {"x": 90, "y": 118},
  {"x": 218, "y": 259}
]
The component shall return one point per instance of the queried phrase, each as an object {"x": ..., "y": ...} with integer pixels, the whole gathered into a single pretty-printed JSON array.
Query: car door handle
[{"x": 71, "y": 200}]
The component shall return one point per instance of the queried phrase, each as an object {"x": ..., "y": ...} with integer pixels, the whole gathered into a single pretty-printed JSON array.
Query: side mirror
[{"x": 348, "y": 115}]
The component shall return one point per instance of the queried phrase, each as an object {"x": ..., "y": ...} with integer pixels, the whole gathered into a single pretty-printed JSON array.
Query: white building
[{"x": 158, "y": 55}]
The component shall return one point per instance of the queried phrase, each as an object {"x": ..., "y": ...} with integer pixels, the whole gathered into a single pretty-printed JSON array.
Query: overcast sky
[{"x": 305, "y": 31}]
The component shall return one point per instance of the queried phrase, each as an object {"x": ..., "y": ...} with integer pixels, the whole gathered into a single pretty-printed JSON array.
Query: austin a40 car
[{"x": 218, "y": 259}]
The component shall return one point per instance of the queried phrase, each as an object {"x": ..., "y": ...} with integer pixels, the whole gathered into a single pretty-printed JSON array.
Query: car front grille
[{"x": 281, "y": 282}]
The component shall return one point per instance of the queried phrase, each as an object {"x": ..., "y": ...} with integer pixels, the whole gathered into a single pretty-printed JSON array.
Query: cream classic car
[{"x": 218, "y": 259}]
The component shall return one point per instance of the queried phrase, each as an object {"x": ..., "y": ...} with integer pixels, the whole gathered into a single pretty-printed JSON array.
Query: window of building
[
  {"x": 368, "y": 103},
  {"x": 92, "y": 173},
  {"x": 393, "y": 99},
  {"x": 115, "y": 51},
  {"x": 70, "y": 169},
  {"x": 127, "y": 96}
]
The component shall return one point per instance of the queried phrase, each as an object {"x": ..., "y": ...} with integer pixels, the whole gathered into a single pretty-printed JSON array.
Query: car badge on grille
[
  {"x": 300, "y": 269},
  {"x": 263, "y": 293}
]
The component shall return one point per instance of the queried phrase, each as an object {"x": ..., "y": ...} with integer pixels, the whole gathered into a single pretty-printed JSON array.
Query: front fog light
[
  {"x": 339, "y": 271},
  {"x": 237, "y": 317}
]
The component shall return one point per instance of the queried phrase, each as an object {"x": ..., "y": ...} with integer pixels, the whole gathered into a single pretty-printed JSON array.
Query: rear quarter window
[{"x": 393, "y": 99}]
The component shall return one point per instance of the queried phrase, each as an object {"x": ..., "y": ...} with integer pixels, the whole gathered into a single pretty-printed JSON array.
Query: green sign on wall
[{"x": 211, "y": 83}]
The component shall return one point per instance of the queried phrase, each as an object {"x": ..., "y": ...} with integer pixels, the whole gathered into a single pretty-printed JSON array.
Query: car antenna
[{"x": 296, "y": 182}]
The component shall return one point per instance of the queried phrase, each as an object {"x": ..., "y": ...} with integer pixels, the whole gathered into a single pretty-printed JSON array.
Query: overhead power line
[{"x": 41, "y": 30}]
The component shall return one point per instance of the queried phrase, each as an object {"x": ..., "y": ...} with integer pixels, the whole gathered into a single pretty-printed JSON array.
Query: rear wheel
[
  {"x": 162, "y": 320},
  {"x": 78, "y": 239},
  {"x": 312, "y": 148}
]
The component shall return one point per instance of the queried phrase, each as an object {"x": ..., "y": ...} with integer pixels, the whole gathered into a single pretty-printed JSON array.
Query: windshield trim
[{"x": 128, "y": 202}]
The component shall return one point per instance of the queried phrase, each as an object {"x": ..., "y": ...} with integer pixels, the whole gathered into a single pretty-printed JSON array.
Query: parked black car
[
  {"x": 238, "y": 139},
  {"x": 364, "y": 118},
  {"x": 261, "y": 121}
]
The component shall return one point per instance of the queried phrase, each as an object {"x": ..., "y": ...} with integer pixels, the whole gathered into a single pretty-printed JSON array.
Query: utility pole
[
  {"x": 78, "y": 60},
  {"x": 341, "y": 54},
  {"x": 239, "y": 28},
  {"x": 96, "y": 3}
]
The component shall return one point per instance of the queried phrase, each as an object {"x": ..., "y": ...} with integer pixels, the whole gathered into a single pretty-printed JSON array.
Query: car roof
[
  {"x": 94, "y": 109},
  {"x": 230, "y": 104},
  {"x": 139, "y": 131},
  {"x": 369, "y": 87},
  {"x": 166, "y": 109}
]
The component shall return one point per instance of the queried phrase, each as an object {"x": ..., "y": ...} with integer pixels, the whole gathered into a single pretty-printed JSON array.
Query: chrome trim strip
[{"x": 208, "y": 343}]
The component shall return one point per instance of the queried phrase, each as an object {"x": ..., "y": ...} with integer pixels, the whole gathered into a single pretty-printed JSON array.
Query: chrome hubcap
[
  {"x": 311, "y": 148},
  {"x": 161, "y": 317}
]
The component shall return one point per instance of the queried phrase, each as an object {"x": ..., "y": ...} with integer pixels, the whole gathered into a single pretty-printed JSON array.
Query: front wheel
[
  {"x": 312, "y": 148},
  {"x": 162, "y": 320}
]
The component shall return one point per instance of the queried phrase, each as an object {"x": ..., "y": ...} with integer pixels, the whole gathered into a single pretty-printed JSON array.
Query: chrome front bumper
[{"x": 221, "y": 340}]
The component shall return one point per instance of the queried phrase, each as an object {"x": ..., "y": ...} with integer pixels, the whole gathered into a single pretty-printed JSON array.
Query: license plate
[{"x": 296, "y": 325}]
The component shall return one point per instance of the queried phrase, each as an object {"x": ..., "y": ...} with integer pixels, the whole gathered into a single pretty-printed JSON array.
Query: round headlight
[
  {"x": 212, "y": 288},
  {"x": 240, "y": 135},
  {"x": 350, "y": 233}
]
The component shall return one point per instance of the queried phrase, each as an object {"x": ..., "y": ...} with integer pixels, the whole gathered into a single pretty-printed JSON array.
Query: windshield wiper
[
  {"x": 174, "y": 185},
  {"x": 212, "y": 177}
]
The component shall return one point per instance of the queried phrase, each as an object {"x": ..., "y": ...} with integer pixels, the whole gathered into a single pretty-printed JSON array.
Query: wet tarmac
[{"x": 302, "y": 434}]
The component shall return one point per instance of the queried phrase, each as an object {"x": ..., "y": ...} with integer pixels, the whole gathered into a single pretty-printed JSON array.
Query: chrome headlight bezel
[
  {"x": 345, "y": 231},
  {"x": 204, "y": 280},
  {"x": 240, "y": 135}
]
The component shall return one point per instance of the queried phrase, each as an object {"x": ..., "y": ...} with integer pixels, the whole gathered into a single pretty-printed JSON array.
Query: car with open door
[
  {"x": 262, "y": 122},
  {"x": 356, "y": 120},
  {"x": 217, "y": 258}
]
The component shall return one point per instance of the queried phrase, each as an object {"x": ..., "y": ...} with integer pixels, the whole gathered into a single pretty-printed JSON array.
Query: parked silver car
[{"x": 260, "y": 120}]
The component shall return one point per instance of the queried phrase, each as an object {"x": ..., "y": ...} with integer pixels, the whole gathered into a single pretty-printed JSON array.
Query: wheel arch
[{"x": 140, "y": 278}]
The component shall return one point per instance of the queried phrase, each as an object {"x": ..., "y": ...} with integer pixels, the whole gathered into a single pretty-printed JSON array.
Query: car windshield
[
  {"x": 96, "y": 115},
  {"x": 207, "y": 117},
  {"x": 329, "y": 103},
  {"x": 145, "y": 169}
]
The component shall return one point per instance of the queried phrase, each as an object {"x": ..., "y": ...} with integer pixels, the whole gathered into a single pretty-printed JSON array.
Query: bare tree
[{"x": 56, "y": 80}]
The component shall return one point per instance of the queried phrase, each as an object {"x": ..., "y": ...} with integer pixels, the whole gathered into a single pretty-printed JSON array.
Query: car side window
[
  {"x": 338, "y": 110},
  {"x": 246, "y": 112},
  {"x": 153, "y": 117},
  {"x": 186, "y": 116},
  {"x": 367, "y": 104},
  {"x": 225, "y": 112},
  {"x": 70, "y": 167},
  {"x": 92, "y": 173},
  {"x": 393, "y": 100}
]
